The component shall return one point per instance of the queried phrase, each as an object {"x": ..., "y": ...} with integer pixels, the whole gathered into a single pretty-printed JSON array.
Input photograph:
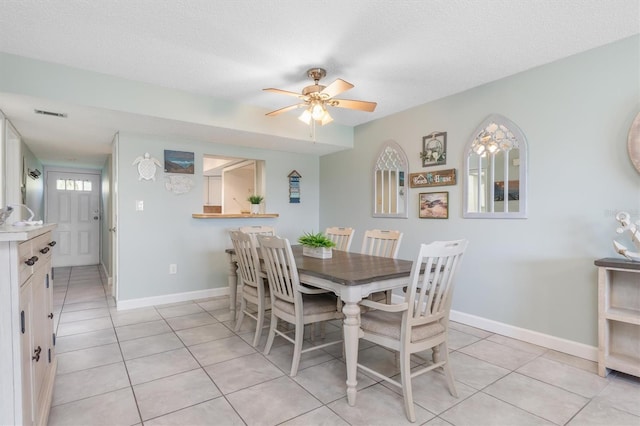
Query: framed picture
[
  {"x": 433, "y": 205},
  {"x": 178, "y": 162},
  {"x": 434, "y": 149}
]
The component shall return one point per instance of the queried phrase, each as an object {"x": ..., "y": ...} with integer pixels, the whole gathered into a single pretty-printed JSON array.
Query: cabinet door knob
[
  {"x": 52, "y": 243},
  {"x": 32, "y": 260},
  {"x": 50, "y": 315},
  {"x": 44, "y": 250},
  {"x": 36, "y": 355}
]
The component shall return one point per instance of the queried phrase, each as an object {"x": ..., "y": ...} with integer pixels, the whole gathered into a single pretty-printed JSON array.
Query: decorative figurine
[
  {"x": 634, "y": 229},
  {"x": 147, "y": 167}
]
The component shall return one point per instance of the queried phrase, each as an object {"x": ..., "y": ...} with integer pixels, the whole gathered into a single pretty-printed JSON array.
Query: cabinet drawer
[
  {"x": 42, "y": 246},
  {"x": 24, "y": 254}
]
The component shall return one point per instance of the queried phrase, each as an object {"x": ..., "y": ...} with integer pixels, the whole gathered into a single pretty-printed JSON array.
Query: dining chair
[
  {"x": 421, "y": 322},
  {"x": 384, "y": 243},
  {"x": 341, "y": 236},
  {"x": 253, "y": 289},
  {"x": 258, "y": 230},
  {"x": 291, "y": 301}
]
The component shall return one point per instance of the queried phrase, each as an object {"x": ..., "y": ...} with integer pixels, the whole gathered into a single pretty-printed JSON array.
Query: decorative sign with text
[{"x": 433, "y": 178}]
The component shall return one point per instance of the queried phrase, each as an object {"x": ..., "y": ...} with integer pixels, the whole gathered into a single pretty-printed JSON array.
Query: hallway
[{"x": 183, "y": 364}]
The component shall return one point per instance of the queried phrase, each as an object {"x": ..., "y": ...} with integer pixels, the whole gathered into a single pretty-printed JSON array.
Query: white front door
[{"x": 73, "y": 202}]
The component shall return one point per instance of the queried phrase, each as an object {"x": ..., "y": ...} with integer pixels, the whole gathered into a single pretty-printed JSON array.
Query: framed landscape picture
[
  {"x": 178, "y": 162},
  {"x": 433, "y": 205}
]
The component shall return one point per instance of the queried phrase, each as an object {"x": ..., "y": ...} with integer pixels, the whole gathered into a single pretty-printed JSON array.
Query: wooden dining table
[{"x": 352, "y": 277}]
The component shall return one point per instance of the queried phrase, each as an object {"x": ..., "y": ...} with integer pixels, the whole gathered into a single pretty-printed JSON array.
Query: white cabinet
[
  {"x": 618, "y": 316},
  {"x": 27, "y": 340}
]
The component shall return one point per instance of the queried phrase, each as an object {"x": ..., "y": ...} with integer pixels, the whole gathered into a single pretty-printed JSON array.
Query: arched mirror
[
  {"x": 495, "y": 169},
  {"x": 390, "y": 198}
]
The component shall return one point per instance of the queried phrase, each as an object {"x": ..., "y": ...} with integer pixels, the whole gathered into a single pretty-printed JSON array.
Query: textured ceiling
[{"x": 397, "y": 53}]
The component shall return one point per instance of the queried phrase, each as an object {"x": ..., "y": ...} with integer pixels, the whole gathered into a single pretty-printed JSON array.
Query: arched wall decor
[
  {"x": 633, "y": 143},
  {"x": 390, "y": 171},
  {"x": 495, "y": 171}
]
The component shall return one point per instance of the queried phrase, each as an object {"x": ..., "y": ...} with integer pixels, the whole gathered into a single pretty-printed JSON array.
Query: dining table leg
[
  {"x": 351, "y": 312},
  {"x": 233, "y": 285}
]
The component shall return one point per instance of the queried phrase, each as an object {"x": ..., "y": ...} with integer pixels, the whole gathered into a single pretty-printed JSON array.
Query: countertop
[{"x": 23, "y": 233}]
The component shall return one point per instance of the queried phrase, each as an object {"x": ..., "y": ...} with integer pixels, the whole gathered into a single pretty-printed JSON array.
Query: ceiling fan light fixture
[
  {"x": 305, "y": 117},
  {"x": 318, "y": 111},
  {"x": 316, "y": 97},
  {"x": 326, "y": 118}
]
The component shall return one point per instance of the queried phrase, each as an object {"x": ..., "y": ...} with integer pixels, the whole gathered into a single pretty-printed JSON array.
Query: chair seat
[
  {"x": 252, "y": 291},
  {"x": 312, "y": 304},
  {"x": 388, "y": 324}
]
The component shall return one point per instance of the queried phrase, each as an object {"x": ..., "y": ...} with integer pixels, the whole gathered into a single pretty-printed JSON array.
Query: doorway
[{"x": 73, "y": 203}]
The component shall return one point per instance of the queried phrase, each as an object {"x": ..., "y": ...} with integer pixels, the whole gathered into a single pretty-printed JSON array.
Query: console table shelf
[{"x": 618, "y": 316}]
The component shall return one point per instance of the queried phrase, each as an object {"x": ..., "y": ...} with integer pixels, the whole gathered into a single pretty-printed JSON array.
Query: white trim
[
  {"x": 171, "y": 298},
  {"x": 105, "y": 271},
  {"x": 545, "y": 340}
]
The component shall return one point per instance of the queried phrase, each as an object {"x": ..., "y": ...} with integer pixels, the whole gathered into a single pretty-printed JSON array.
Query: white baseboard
[
  {"x": 171, "y": 298},
  {"x": 545, "y": 340},
  {"x": 106, "y": 272}
]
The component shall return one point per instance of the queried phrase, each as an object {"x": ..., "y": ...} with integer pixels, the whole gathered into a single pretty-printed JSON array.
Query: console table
[{"x": 618, "y": 316}]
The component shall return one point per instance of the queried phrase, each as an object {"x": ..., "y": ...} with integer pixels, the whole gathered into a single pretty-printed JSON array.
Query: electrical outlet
[
  {"x": 139, "y": 205},
  {"x": 173, "y": 268}
]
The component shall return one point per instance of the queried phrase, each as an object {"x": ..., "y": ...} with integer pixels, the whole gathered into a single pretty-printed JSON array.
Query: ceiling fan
[{"x": 315, "y": 98}]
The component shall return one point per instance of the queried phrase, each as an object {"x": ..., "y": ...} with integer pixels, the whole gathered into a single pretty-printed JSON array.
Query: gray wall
[
  {"x": 534, "y": 273},
  {"x": 165, "y": 232}
]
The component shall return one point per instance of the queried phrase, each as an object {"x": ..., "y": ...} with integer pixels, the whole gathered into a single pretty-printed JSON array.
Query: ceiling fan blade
[
  {"x": 285, "y": 109},
  {"x": 284, "y": 92},
  {"x": 359, "y": 105},
  {"x": 337, "y": 87}
]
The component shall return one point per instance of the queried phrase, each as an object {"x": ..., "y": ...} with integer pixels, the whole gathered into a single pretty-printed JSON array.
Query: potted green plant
[
  {"x": 316, "y": 245},
  {"x": 255, "y": 201}
]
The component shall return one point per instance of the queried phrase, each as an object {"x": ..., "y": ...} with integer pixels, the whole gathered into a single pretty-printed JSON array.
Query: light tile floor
[{"x": 183, "y": 364}]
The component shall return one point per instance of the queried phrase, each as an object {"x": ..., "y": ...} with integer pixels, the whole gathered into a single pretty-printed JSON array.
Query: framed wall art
[
  {"x": 434, "y": 149},
  {"x": 178, "y": 162},
  {"x": 294, "y": 187},
  {"x": 433, "y": 205}
]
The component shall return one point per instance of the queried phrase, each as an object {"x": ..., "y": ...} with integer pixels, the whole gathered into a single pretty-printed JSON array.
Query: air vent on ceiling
[{"x": 51, "y": 113}]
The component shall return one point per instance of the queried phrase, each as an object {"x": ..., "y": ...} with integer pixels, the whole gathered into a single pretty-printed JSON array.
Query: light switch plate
[{"x": 139, "y": 205}]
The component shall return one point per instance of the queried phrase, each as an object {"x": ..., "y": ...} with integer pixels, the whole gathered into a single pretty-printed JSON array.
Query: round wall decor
[{"x": 633, "y": 143}]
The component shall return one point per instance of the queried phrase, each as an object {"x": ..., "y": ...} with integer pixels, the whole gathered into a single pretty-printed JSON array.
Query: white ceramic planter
[
  {"x": 255, "y": 208},
  {"x": 318, "y": 252}
]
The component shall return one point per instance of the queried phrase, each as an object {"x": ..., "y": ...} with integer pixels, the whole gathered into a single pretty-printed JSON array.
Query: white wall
[
  {"x": 535, "y": 273},
  {"x": 165, "y": 232}
]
